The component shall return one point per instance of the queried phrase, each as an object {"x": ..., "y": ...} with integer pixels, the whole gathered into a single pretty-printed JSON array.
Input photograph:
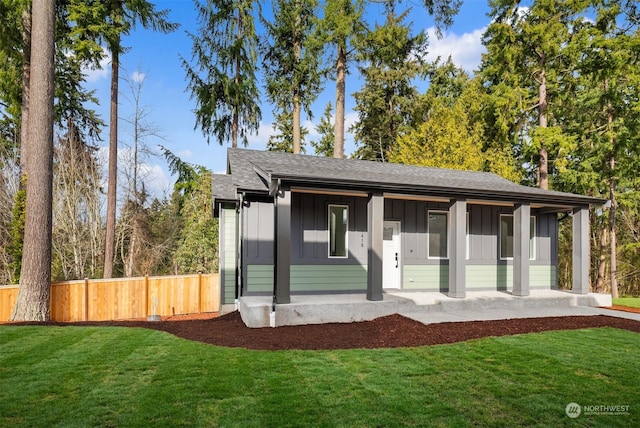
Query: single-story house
[{"x": 295, "y": 224}]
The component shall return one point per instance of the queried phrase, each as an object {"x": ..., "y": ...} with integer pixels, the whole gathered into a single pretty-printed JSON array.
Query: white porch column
[
  {"x": 458, "y": 250},
  {"x": 521, "y": 236},
  {"x": 375, "y": 220},
  {"x": 581, "y": 250}
]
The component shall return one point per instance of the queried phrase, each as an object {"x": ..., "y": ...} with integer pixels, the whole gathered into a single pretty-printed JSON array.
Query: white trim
[
  {"x": 448, "y": 225},
  {"x": 346, "y": 233},
  {"x": 468, "y": 233}
]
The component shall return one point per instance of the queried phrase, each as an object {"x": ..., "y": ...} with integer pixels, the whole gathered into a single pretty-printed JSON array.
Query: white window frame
[
  {"x": 532, "y": 237},
  {"x": 346, "y": 233},
  {"x": 448, "y": 225},
  {"x": 468, "y": 240}
]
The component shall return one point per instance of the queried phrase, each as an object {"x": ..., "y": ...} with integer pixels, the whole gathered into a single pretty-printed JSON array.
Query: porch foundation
[{"x": 423, "y": 306}]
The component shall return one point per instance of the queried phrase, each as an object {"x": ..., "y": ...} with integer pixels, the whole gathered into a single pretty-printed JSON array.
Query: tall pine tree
[
  {"x": 223, "y": 82},
  {"x": 292, "y": 64}
]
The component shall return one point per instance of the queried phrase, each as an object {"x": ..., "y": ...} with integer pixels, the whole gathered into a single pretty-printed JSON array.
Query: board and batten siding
[
  {"x": 310, "y": 229},
  {"x": 258, "y": 234},
  {"x": 228, "y": 253},
  {"x": 484, "y": 268},
  {"x": 313, "y": 270}
]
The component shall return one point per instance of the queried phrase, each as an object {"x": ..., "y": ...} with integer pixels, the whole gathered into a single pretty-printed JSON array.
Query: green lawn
[
  {"x": 99, "y": 376},
  {"x": 633, "y": 302}
]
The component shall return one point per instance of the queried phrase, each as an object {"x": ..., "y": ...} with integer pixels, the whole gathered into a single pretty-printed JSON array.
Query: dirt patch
[{"x": 387, "y": 332}]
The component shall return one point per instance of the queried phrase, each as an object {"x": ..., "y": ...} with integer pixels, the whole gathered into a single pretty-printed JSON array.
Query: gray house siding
[
  {"x": 258, "y": 233},
  {"x": 312, "y": 270},
  {"x": 311, "y": 267},
  {"x": 484, "y": 268}
]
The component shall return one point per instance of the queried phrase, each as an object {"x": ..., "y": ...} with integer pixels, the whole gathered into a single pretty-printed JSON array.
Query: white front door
[{"x": 391, "y": 257}]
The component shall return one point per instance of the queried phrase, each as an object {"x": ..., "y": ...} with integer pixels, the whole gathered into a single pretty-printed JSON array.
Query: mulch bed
[{"x": 387, "y": 332}]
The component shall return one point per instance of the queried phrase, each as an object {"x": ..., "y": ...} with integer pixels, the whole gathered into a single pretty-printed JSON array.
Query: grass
[
  {"x": 100, "y": 376},
  {"x": 633, "y": 302}
]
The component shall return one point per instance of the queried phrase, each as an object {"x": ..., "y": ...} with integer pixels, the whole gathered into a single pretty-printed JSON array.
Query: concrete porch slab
[{"x": 426, "y": 307}]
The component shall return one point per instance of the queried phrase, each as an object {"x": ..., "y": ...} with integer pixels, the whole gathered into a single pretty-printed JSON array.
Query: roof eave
[{"x": 573, "y": 200}]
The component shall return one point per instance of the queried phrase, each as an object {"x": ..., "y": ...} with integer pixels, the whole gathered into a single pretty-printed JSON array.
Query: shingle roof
[
  {"x": 223, "y": 188},
  {"x": 248, "y": 166}
]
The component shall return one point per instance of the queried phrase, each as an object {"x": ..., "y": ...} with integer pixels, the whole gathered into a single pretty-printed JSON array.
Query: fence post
[
  {"x": 199, "y": 292},
  {"x": 85, "y": 300},
  {"x": 146, "y": 296}
]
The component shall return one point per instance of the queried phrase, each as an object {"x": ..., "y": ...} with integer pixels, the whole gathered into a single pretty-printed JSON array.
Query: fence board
[{"x": 125, "y": 298}]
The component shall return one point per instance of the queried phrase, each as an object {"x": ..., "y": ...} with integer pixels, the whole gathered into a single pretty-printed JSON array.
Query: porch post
[
  {"x": 282, "y": 259},
  {"x": 458, "y": 250},
  {"x": 580, "y": 250},
  {"x": 521, "y": 236},
  {"x": 375, "y": 219}
]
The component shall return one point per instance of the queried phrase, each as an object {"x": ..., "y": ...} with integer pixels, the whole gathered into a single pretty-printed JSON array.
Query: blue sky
[{"x": 156, "y": 57}]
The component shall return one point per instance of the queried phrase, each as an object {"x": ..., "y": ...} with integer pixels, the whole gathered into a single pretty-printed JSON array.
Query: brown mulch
[
  {"x": 387, "y": 332},
  {"x": 625, "y": 309}
]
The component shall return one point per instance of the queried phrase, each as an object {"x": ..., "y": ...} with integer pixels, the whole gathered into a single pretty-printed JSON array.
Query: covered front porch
[{"x": 426, "y": 307}]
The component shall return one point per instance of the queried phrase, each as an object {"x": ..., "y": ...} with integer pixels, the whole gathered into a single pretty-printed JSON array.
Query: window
[
  {"x": 338, "y": 228},
  {"x": 506, "y": 236},
  {"x": 468, "y": 242},
  {"x": 437, "y": 228}
]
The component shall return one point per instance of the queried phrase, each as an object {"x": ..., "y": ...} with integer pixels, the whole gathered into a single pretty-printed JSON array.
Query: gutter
[{"x": 274, "y": 190}]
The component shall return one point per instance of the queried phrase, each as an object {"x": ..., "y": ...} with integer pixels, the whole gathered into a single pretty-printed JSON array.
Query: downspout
[
  {"x": 239, "y": 260},
  {"x": 275, "y": 193}
]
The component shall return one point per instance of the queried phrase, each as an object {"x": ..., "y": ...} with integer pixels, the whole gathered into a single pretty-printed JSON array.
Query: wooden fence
[{"x": 125, "y": 298}]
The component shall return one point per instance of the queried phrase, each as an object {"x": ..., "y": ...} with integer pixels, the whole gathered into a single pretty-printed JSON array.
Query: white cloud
[
  {"x": 95, "y": 74},
  {"x": 465, "y": 49},
  {"x": 156, "y": 181},
  {"x": 312, "y": 128},
  {"x": 185, "y": 154},
  {"x": 138, "y": 77},
  {"x": 259, "y": 141}
]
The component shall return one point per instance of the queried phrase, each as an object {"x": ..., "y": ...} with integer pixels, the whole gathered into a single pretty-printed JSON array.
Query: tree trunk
[
  {"x": 543, "y": 169},
  {"x": 338, "y": 144},
  {"x": 35, "y": 282},
  {"x": 235, "y": 126},
  {"x": 296, "y": 124},
  {"x": 26, "y": 78},
  {"x": 112, "y": 180},
  {"x": 612, "y": 198},
  {"x": 612, "y": 233},
  {"x": 297, "y": 49},
  {"x": 602, "y": 261}
]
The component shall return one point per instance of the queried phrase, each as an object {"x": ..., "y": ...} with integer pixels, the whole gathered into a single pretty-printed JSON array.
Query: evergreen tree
[
  {"x": 525, "y": 66},
  {"x": 223, "y": 83},
  {"x": 282, "y": 139},
  {"x": 114, "y": 19},
  {"x": 325, "y": 145},
  {"x": 606, "y": 117},
  {"x": 32, "y": 303},
  {"x": 341, "y": 23},
  {"x": 391, "y": 59},
  {"x": 292, "y": 64}
]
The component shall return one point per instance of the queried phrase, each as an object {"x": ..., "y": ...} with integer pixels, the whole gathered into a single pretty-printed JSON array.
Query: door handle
[{"x": 396, "y": 260}]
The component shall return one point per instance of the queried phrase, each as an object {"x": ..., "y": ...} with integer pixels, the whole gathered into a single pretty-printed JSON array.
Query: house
[{"x": 295, "y": 225}]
